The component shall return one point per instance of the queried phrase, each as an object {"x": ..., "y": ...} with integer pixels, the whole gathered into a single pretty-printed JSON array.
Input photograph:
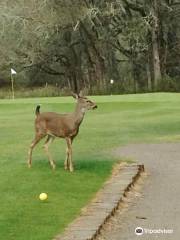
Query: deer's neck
[{"x": 78, "y": 114}]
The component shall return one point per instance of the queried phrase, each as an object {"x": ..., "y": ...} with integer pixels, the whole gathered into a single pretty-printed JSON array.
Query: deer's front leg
[{"x": 70, "y": 163}]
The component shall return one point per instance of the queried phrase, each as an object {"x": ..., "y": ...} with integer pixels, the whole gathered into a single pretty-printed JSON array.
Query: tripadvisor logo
[{"x": 139, "y": 231}]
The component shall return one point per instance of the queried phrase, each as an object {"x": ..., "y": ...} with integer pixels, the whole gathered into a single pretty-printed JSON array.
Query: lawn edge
[{"x": 107, "y": 200}]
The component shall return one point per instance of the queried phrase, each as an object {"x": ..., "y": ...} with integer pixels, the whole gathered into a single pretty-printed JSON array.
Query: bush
[
  {"x": 169, "y": 84},
  {"x": 48, "y": 91}
]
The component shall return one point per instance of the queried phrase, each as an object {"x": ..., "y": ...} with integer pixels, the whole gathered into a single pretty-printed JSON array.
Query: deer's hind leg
[
  {"x": 37, "y": 138},
  {"x": 48, "y": 141},
  {"x": 68, "y": 161}
]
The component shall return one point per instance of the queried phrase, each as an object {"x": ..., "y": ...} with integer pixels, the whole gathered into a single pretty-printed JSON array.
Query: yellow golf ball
[{"x": 43, "y": 196}]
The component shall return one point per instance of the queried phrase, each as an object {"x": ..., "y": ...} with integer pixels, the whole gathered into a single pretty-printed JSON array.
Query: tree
[{"x": 85, "y": 43}]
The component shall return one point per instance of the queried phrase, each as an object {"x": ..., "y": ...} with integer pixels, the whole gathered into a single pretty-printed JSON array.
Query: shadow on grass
[{"x": 85, "y": 165}]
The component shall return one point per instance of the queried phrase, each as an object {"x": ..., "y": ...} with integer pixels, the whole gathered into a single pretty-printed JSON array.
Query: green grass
[{"x": 118, "y": 120}]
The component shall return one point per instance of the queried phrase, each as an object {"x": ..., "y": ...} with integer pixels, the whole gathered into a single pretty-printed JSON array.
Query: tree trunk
[
  {"x": 149, "y": 82},
  {"x": 155, "y": 46}
]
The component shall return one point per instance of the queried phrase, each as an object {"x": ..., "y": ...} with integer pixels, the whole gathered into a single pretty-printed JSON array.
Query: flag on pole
[{"x": 13, "y": 72}]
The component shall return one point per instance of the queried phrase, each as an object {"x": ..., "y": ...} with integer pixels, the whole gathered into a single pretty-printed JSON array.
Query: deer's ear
[{"x": 74, "y": 95}]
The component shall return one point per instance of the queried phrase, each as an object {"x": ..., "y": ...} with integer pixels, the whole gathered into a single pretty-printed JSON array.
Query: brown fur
[{"x": 66, "y": 126}]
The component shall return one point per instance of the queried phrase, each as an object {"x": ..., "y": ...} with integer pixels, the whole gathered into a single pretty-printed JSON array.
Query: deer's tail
[{"x": 37, "y": 112}]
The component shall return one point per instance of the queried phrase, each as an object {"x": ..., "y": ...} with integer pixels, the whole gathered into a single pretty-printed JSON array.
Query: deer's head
[{"x": 84, "y": 103}]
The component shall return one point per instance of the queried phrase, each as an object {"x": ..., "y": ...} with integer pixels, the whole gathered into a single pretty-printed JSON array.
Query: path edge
[{"x": 120, "y": 171}]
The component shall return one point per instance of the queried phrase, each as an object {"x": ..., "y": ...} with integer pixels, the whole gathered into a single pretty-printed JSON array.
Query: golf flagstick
[{"x": 13, "y": 72}]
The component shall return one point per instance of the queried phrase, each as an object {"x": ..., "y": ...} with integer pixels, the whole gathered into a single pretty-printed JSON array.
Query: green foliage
[
  {"x": 83, "y": 44},
  {"x": 47, "y": 91},
  {"x": 170, "y": 84}
]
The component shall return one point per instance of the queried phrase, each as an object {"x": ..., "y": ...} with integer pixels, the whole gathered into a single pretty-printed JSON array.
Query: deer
[{"x": 55, "y": 125}]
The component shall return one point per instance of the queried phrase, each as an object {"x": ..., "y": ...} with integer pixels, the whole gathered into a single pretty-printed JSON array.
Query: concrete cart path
[{"x": 159, "y": 204}]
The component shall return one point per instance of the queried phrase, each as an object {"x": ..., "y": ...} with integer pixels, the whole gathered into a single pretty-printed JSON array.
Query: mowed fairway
[{"x": 118, "y": 120}]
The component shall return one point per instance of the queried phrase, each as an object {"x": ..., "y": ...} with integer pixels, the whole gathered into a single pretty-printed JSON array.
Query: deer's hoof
[
  {"x": 53, "y": 167},
  {"x": 71, "y": 169}
]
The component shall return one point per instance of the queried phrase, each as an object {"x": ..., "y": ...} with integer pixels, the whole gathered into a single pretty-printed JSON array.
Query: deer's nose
[{"x": 95, "y": 106}]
